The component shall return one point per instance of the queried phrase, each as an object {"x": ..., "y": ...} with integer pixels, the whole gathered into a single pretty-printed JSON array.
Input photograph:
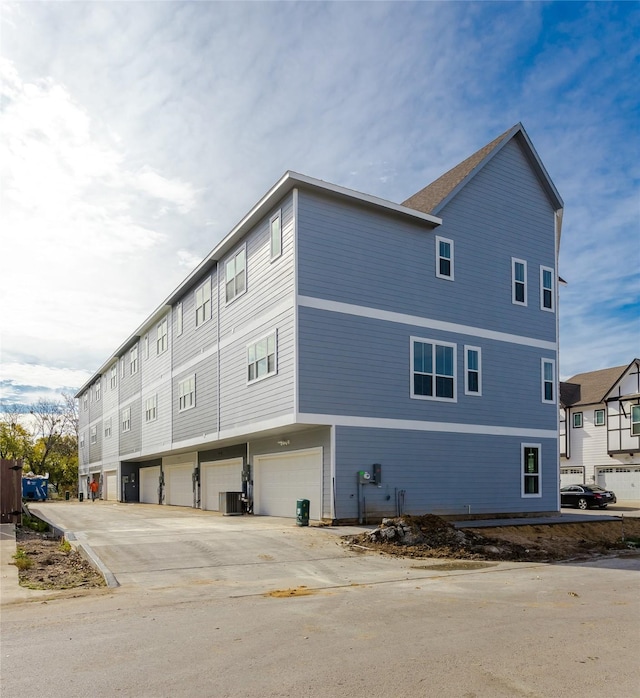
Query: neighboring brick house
[
  {"x": 333, "y": 332},
  {"x": 600, "y": 429}
]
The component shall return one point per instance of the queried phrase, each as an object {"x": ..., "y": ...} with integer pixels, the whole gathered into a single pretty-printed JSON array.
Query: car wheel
[{"x": 582, "y": 503}]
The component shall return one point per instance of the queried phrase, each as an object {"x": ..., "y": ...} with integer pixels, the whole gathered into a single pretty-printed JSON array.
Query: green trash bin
[
  {"x": 302, "y": 512},
  {"x": 67, "y": 494}
]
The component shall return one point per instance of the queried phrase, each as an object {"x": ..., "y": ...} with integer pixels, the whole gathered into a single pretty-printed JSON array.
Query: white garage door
[
  {"x": 571, "y": 476},
  {"x": 280, "y": 479},
  {"x": 111, "y": 482},
  {"x": 179, "y": 482},
  {"x": 149, "y": 482},
  {"x": 624, "y": 481},
  {"x": 219, "y": 476}
]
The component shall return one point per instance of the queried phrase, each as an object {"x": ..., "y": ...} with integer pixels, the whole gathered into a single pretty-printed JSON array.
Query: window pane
[
  {"x": 418, "y": 351},
  {"x": 445, "y": 267},
  {"x": 271, "y": 342},
  {"x": 519, "y": 271},
  {"x": 531, "y": 484},
  {"x": 546, "y": 278},
  {"x": 422, "y": 385},
  {"x": 444, "y": 387},
  {"x": 240, "y": 282},
  {"x": 271, "y": 361},
  {"x": 445, "y": 250},
  {"x": 548, "y": 391},
  {"x": 520, "y": 292},
  {"x": 262, "y": 367},
  {"x": 230, "y": 270},
  {"x": 472, "y": 360},
  {"x": 444, "y": 360},
  {"x": 548, "y": 371},
  {"x": 472, "y": 382},
  {"x": 546, "y": 298}
]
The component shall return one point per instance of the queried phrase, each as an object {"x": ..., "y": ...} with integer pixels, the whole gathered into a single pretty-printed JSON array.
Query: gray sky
[{"x": 136, "y": 134}]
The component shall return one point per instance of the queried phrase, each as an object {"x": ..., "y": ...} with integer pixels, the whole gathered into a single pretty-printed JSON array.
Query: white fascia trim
[
  {"x": 417, "y": 425},
  {"x": 417, "y": 321}
]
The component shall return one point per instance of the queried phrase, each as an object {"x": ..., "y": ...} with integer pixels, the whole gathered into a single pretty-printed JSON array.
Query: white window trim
[
  {"x": 85, "y": 401},
  {"x": 522, "y": 473},
  {"x": 514, "y": 261},
  {"x": 577, "y": 417},
  {"x": 466, "y": 370},
  {"x": 125, "y": 420},
  {"x": 552, "y": 289},
  {"x": 185, "y": 407},
  {"x": 98, "y": 389},
  {"x": 107, "y": 427},
  {"x": 246, "y": 275},
  {"x": 114, "y": 377},
  {"x": 179, "y": 320},
  {"x": 206, "y": 300},
  {"x": 449, "y": 277},
  {"x": 133, "y": 360},
  {"x": 543, "y": 380},
  {"x": 273, "y": 334},
  {"x": 434, "y": 397},
  {"x": 93, "y": 435},
  {"x": 162, "y": 336},
  {"x": 277, "y": 253},
  {"x": 595, "y": 418},
  {"x": 151, "y": 409}
]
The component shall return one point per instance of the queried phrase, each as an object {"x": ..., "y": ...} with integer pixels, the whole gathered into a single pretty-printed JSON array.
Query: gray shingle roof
[{"x": 592, "y": 387}]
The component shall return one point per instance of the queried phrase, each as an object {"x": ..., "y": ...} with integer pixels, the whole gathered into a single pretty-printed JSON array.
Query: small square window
[
  {"x": 598, "y": 418},
  {"x": 577, "y": 420}
]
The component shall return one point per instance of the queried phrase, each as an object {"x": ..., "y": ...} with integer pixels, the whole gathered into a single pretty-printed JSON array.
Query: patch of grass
[
  {"x": 35, "y": 524},
  {"x": 22, "y": 560},
  {"x": 65, "y": 546}
]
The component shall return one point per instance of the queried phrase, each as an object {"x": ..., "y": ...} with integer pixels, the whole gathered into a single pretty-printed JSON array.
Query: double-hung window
[
  {"x": 151, "y": 409},
  {"x": 548, "y": 380},
  {"x": 518, "y": 281},
  {"x": 187, "y": 393},
  {"x": 85, "y": 401},
  {"x": 635, "y": 420},
  {"x": 577, "y": 420},
  {"x": 98, "y": 389},
  {"x": 531, "y": 471},
  {"x": 133, "y": 360},
  {"x": 275, "y": 229},
  {"x": 472, "y": 370},
  {"x": 261, "y": 358},
  {"x": 546, "y": 289},
  {"x": 162, "y": 336},
  {"x": 93, "y": 435},
  {"x": 179, "y": 323},
  {"x": 598, "y": 418},
  {"x": 433, "y": 370},
  {"x": 203, "y": 302},
  {"x": 107, "y": 427},
  {"x": 114, "y": 377},
  {"x": 444, "y": 258},
  {"x": 126, "y": 419},
  {"x": 235, "y": 271}
]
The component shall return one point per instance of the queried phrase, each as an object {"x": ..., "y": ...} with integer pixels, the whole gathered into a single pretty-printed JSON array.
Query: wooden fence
[{"x": 11, "y": 491}]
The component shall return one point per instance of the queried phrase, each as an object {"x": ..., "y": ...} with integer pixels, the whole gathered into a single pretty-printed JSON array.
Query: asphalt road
[{"x": 198, "y": 614}]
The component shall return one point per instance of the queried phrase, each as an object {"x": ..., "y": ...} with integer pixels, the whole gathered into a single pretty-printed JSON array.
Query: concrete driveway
[{"x": 198, "y": 613}]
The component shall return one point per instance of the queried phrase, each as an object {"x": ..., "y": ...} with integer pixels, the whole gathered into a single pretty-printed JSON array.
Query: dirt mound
[{"x": 432, "y": 536}]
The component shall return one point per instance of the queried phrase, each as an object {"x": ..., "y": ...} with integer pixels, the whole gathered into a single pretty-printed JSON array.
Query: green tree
[{"x": 15, "y": 440}]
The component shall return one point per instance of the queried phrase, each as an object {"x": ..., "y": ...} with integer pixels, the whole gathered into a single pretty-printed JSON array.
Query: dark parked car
[{"x": 585, "y": 496}]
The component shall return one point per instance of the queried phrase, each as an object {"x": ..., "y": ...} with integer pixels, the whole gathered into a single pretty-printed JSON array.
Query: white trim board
[{"x": 417, "y": 321}]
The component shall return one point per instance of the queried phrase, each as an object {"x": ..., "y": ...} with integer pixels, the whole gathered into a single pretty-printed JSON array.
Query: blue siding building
[{"x": 375, "y": 358}]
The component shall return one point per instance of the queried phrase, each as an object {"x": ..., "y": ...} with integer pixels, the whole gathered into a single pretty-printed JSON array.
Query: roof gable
[
  {"x": 436, "y": 195},
  {"x": 593, "y": 387}
]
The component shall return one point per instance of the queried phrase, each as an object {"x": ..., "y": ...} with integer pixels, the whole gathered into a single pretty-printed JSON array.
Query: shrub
[{"x": 22, "y": 561}]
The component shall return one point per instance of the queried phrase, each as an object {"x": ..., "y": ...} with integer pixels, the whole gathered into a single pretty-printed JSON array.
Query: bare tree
[{"x": 50, "y": 424}]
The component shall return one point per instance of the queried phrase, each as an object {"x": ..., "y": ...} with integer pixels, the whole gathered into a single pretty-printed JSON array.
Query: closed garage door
[
  {"x": 624, "y": 481},
  {"x": 111, "y": 482},
  {"x": 571, "y": 476},
  {"x": 219, "y": 476},
  {"x": 280, "y": 479},
  {"x": 149, "y": 483},
  {"x": 179, "y": 483}
]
